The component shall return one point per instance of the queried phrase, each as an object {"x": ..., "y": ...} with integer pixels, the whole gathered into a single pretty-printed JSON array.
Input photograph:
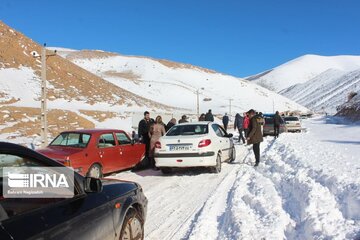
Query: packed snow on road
[{"x": 307, "y": 186}]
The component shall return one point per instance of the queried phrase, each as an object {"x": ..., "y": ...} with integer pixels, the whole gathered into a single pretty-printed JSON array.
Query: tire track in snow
[{"x": 245, "y": 206}]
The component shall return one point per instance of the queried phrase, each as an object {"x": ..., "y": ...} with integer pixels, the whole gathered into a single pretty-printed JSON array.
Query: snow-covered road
[{"x": 306, "y": 187}]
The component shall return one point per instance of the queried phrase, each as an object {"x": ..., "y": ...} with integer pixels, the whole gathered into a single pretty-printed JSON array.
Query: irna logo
[{"x": 30, "y": 180}]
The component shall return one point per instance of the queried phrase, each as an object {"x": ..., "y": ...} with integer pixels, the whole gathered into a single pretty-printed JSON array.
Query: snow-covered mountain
[
  {"x": 102, "y": 89},
  {"x": 303, "y": 69},
  {"x": 175, "y": 84},
  {"x": 326, "y": 91},
  {"x": 317, "y": 82}
]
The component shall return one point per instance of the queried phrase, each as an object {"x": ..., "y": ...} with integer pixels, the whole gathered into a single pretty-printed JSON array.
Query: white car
[
  {"x": 199, "y": 144},
  {"x": 292, "y": 124}
]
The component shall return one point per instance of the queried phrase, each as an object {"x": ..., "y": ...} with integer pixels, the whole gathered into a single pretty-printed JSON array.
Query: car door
[
  {"x": 223, "y": 141},
  {"x": 84, "y": 216},
  {"x": 108, "y": 152},
  {"x": 129, "y": 153}
]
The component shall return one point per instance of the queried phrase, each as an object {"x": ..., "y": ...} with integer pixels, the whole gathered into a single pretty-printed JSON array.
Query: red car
[{"x": 95, "y": 152}]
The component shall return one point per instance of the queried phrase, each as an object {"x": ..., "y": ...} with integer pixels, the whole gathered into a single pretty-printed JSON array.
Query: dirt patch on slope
[{"x": 25, "y": 122}]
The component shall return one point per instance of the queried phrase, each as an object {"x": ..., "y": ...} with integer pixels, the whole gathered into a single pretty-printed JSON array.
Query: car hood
[
  {"x": 113, "y": 187},
  {"x": 57, "y": 152}
]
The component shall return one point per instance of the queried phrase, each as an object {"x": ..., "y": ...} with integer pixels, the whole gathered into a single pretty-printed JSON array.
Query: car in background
[
  {"x": 99, "y": 209},
  {"x": 268, "y": 128},
  {"x": 94, "y": 152},
  {"x": 293, "y": 124},
  {"x": 199, "y": 144}
]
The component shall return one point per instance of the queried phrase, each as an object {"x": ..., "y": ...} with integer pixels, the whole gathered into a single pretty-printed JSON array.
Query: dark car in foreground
[
  {"x": 100, "y": 209},
  {"x": 268, "y": 128}
]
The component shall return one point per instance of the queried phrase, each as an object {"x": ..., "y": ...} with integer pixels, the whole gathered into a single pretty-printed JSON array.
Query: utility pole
[
  {"x": 44, "y": 128},
  {"x": 198, "y": 101}
]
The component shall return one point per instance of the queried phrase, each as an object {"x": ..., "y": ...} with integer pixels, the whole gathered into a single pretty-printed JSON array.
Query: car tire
[
  {"x": 217, "y": 168},
  {"x": 95, "y": 171},
  {"x": 133, "y": 226},
  {"x": 233, "y": 155},
  {"x": 166, "y": 170}
]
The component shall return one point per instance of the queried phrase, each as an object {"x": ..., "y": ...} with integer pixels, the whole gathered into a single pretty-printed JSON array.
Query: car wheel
[
  {"x": 217, "y": 168},
  {"x": 233, "y": 154},
  {"x": 133, "y": 226},
  {"x": 95, "y": 171},
  {"x": 166, "y": 170}
]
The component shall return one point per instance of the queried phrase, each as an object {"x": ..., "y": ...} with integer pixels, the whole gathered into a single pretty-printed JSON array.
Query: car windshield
[
  {"x": 291, "y": 119},
  {"x": 194, "y": 129},
  {"x": 78, "y": 140}
]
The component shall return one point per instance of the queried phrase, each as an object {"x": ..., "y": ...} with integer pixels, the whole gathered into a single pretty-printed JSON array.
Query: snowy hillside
[
  {"x": 175, "y": 84},
  {"x": 326, "y": 91},
  {"x": 303, "y": 69}
]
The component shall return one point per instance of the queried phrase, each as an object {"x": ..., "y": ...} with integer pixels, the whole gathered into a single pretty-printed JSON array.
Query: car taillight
[
  {"x": 158, "y": 145},
  {"x": 204, "y": 143},
  {"x": 67, "y": 162}
]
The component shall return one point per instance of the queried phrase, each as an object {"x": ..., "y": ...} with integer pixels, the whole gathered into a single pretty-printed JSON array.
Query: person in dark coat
[
  {"x": 183, "y": 119},
  {"x": 143, "y": 131},
  {"x": 170, "y": 124},
  {"x": 277, "y": 122},
  {"x": 202, "y": 117},
  {"x": 255, "y": 136},
  {"x": 238, "y": 124},
  {"x": 225, "y": 121},
  {"x": 209, "y": 116}
]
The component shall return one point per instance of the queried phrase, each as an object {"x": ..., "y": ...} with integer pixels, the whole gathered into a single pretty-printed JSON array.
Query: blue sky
[{"x": 235, "y": 37}]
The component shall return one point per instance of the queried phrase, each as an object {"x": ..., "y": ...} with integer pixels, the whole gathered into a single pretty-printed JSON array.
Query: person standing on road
[
  {"x": 225, "y": 121},
  {"x": 170, "y": 124},
  {"x": 277, "y": 122},
  {"x": 202, "y": 117},
  {"x": 238, "y": 124},
  {"x": 157, "y": 130},
  {"x": 183, "y": 119},
  {"x": 143, "y": 131},
  {"x": 255, "y": 136},
  {"x": 209, "y": 116},
  {"x": 246, "y": 124}
]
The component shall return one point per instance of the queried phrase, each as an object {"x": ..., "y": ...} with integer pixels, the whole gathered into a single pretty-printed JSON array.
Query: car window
[
  {"x": 10, "y": 207},
  {"x": 189, "y": 129},
  {"x": 291, "y": 119},
  {"x": 218, "y": 130},
  {"x": 106, "y": 140},
  {"x": 122, "y": 138},
  {"x": 78, "y": 140}
]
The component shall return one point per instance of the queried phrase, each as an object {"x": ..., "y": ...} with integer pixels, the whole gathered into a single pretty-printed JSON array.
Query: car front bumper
[{"x": 199, "y": 159}]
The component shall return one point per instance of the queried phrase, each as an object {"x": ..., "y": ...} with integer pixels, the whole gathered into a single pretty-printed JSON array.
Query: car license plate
[{"x": 180, "y": 147}]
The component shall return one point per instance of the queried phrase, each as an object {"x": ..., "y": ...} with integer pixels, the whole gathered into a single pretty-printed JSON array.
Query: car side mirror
[
  {"x": 229, "y": 135},
  {"x": 92, "y": 185}
]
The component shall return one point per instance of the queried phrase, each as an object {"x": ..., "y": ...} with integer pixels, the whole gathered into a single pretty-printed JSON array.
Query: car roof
[
  {"x": 195, "y": 123},
  {"x": 94, "y": 130}
]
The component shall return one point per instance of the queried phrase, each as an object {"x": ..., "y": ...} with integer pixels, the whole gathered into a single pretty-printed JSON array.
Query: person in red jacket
[{"x": 246, "y": 124}]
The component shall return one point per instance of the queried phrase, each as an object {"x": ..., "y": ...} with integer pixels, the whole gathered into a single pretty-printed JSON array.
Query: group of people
[{"x": 249, "y": 126}]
